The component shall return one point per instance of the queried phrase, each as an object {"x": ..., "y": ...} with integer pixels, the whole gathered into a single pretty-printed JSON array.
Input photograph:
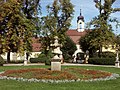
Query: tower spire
[{"x": 80, "y": 12}]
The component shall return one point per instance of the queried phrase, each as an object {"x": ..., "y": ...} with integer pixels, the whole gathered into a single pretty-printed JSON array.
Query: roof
[
  {"x": 74, "y": 32},
  {"x": 75, "y": 35},
  {"x": 36, "y": 45}
]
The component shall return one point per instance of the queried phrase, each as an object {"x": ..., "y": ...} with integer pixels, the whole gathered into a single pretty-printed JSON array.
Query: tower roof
[{"x": 80, "y": 17}]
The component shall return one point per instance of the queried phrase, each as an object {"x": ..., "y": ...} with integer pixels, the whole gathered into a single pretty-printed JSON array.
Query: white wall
[{"x": 17, "y": 56}]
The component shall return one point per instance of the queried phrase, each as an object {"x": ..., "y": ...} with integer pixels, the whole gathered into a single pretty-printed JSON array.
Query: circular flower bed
[{"x": 66, "y": 75}]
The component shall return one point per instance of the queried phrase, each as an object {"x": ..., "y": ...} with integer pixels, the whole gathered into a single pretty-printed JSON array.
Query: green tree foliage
[
  {"x": 15, "y": 30},
  {"x": 103, "y": 29},
  {"x": 31, "y": 8},
  {"x": 92, "y": 40},
  {"x": 85, "y": 43},
  {"x": 68, "y": 48},
  {"x": 117, "y": 40},
  {"x": 57, "y": 22},
  {"x": 32, "y": 11},
  {"x": 105, "y": 10}
]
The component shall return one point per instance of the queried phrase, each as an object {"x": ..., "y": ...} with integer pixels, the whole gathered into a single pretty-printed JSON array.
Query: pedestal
[
  {"x": 117, "y": 63},
  {"x": 55, "y": 65},
  {"x": 25, "y": 62},
  {"x": 86, "y": 60}
]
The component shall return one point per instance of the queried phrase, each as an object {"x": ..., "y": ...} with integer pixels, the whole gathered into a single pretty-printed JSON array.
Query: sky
[{"x": 88, "y": 8}]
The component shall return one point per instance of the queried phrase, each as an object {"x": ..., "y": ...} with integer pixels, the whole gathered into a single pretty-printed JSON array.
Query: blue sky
[{"x": 88, "y": 11}]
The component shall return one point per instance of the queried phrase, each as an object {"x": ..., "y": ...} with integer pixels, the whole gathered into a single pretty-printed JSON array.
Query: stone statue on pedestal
[
  {"x": 117, "y": 62},
  {"x": 56, "y": 60}
]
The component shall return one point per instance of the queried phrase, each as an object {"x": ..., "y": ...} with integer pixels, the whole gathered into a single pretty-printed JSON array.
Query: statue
[
  {"x": 56, "y": 60},
  {"x": 117, "y": 58}
]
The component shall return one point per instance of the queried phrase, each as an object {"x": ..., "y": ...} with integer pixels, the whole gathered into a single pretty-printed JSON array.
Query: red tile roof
[
  {"x": 36, "y": 45},
  {"x": 74, "y": 32},
  {"x": 75, "y": 35}
]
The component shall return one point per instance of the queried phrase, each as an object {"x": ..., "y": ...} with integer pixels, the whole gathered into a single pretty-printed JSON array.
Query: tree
[
  {"x": 57, "y": 22},
  {"x": 15, "y": 30},
  {"x": 92, "y": 40},
  {"x": 68, "y": 48},
  {"x": 117, "y": 40},
  {"x": 85, "y": 43},
  {"x": 31, "y": 8},
  {"x": 103, "y": 29}
]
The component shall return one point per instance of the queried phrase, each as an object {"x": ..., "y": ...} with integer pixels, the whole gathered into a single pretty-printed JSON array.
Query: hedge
[
  {"x": 40, "y": 60},
  {"x": 105, "y": 55},
  {"x": 37, "y": 60},
  {"x": 102, "y": 61},
  {"x": 17, "y": 61}
]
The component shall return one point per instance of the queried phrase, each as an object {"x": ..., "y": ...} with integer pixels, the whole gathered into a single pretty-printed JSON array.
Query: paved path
[
  {"x": 64, "y": 64},
  {"x": 21, "y": 64},
  {"x": 76, "y": 64}
]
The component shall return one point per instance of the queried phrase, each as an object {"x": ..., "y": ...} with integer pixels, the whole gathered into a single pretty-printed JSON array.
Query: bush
[
  {"x": 108, "y": 54},
  {"x": 67, "y": 57},
  {"x": 68, "y": 49},
  {"x": 48, "y": 61},
  {"x": 41, "y": 59},
  {"x": 105, "y": 55},
  {"x": 102, "y": 61},
  {"x": 37, "y": 60},
  {"x": 1, "y": 61},
  {"x": 47, "y": 58},
  {"x": 17, "y": 61}
]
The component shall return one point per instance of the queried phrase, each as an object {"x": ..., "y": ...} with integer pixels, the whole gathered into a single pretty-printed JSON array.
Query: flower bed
[{"x": 66, "y": 75}]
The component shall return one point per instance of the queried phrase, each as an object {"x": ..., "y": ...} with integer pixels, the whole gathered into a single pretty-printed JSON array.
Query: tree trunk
[{"x": 8, "y": 57}]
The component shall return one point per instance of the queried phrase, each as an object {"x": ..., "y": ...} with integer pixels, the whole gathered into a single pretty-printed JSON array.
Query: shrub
[
  {"x": 102, "y": 61},
  {"x": 37, "y": 60},
  {"x": 1, "y": 61},
  {"x": 106, "y": 55},
  {"x": 41, "y": 59},
  {"x": 17, "y": 61},
  {"x": 67, "y": 57},
  {"x": 48, "y": 61},
  {"x": 68, "y": 49}
]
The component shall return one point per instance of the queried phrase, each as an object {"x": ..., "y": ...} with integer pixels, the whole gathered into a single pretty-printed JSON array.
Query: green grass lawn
[{"x": 96, "y": 85}]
